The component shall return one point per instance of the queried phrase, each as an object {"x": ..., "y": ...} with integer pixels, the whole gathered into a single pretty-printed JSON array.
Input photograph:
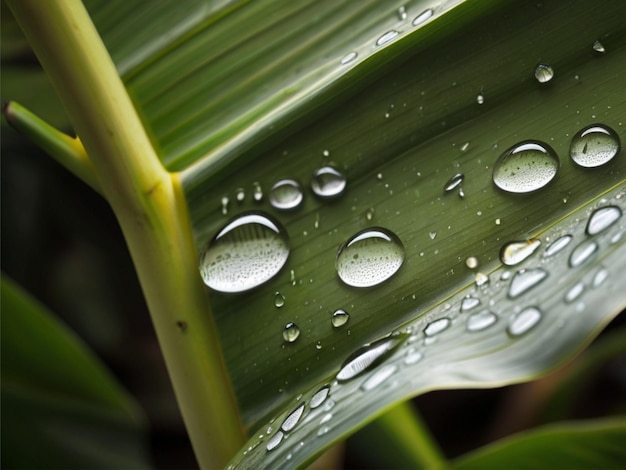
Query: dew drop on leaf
[
  {"x": 349, "y": 57},
  {"x": 319, "y": 397},
  {"x": 369, "y": 257},
  {"x": 574, "y": 292},
  {"x": 544, "y": 73},
  {"x": 480, "y": 98},
  {"x": 524, "y": 280},
  {"x": 454, "y": 182},
  {"x": 290, "y": 421},
  {"x": 286, "y": 195},
  {"x": 340, "y": 317},
  {"x": 469, "y": 303},
  {"x": 247, "y": 252},
  {"x": 275, "y": 441},
  {"x": 557, "y": 245},
  {"x": 387, "y": 37},
  {"x": 594, "y": 146},
  {"x": 524, "y": 321},
  {"x": 368, "y": 356},
  {"x": 378, "y": 377},
  {"x": 514, "y": 253},
  {"x": 279, "y": 300},
  {"x": 291, "y": 332},
  {"x": 598, "y": 48},
  {"x": 328, "y": 182},
  {"x": 423, "y": 17},
  {"x": 525, "y": 167},
  {"x": 481, "y": 320},
  {"x": 437, "y": 326},
  {"x": 582, "y": 253},
  {"x": 603, "y": 218}
]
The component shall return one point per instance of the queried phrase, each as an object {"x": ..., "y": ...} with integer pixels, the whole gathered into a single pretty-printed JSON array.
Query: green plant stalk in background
[{"x": 149, "y": 206}]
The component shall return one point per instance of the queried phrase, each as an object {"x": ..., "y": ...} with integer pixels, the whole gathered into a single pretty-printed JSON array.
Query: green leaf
[
  {"x": 586, "y": 444},
  {"x": 61, "y": 407}
]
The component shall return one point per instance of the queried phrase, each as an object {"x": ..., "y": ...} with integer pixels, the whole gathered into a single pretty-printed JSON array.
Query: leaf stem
[{"x": 150, "y": 207}]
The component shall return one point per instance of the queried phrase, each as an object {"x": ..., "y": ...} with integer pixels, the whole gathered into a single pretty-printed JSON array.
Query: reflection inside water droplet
[
  {"x": 525, "y": 167},
  {"x": 594, "y": 146}
]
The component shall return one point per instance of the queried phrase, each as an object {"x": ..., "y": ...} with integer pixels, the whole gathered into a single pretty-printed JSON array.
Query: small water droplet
[
  {"x": 286, "y": 194},
  {"x": 481, "y": 279},
  {"x": 291, "y": 332},
  {"x": 480, "y": 98},
  {"x": 469, "y": 303},
  {"x": 328, "y": 182},
  {"x": 524, "y": 280},
  {"x": 319, "y": 397},
  {"x": 594, "y": 146},
  {"x": 275, "y": 441},
  {"x": 387, "y": 37},
  {"x": 598, "y": 48},
  {"x": 432, "y": 235},
  {"x": 464, "y": 147},
  {"x": 423, "y": 17},
  {"x": 378, "y": 377},
  {"x": 369, "y": 257},
  {"x": 454, "y": 182},
  {"x": 557, "y": 245},
  {"x": 498, "y": 221},
  {"x": 471, "y": 262},
  {"x": 247, "y": 252},
  {"x": 318, "y": 345},
  {"x": 413, "y": 357},
  {"x": 481, "y": 320},
  {"x": 527, "y": 166},
  {"x": 323, "y": 430},
  {"x": 279, "y": 300},
  {"x": 514, "y": 253},
  {"x": 225, "y": 202},
  {"x": 523, "y": 321},
  {"x": 544, "y": 73},
  {"x": 582, "y": 253},
  {"x": 600, "y": 277},
  {"x": 326, "y": 153},
  {"x": 290, "y": 421},
  {"x": 257, "y": 192},
  {"x": 340, "y": 317},
  {"x": 368, "y": 356},
  {"x": 603, "y": 218},
  {"x": 349, "y": 57},
  {"x": 402, "y": 13},
  {"x": 326, "y": 418},
  {"x": 240, "y": 195},
  {"x": 437, "y": 326},
  {"x": 574, "y": 292}
]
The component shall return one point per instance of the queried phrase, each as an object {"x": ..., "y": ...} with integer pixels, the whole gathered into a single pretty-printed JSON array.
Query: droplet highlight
[
  {"x": 594, "y": 146},
  {"x": 526, "y": 167},
  {"x": 286, "y": 195},
  {"x": 368, "y": 356},
  {"x": 515, "y": 252},
  {"x": 328, "y": 182},
  {"x": 602, "y": 219},
  {"x": 524, "y": 280},
  {"x": 369, "y": 257},
  {"x": 524, "y": 321},
  {"x": 544, "y": 73},
  {"x": 247, "y": 252},
  {"x": 291, "y": 332}
]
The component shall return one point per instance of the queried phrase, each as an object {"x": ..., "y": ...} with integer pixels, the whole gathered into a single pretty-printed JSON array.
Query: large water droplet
[
  {"x": 319, "y": 397},
  {"x": 594, "y": 146},
  {"x": 469, "y": 303},
  {"x": 602, "y": 219},
  {"x": 387, "y": 37},
  {"x": 582, "y": 253},
  {"x": 378, "y": 377},
  {"x": 275, "y": 441},
  {"x": 328, "y": 182},
  {"x": 422, "y": 17},
  {"x": 291, "y": 332},
  {"x": 523, "y": 321},
  {"x": 340, "y": 317},
  {"x": 369, "y": 257},
  {"x": 437, "y": 326},
  {"x": 515, "y": 252},
  {"x": 247, "y": 252},
  {"x": 525, "y": 167},
  {"x": 481, "y": 320},
  {"x": 544, "y": 73},
  {"x": 286, "y": 194},
  {"x": 524, "y": 280},
  {"x": 290, "y": 421},
  {"x": 368, "y": 356},
  {"x": 557, "y": 245}
]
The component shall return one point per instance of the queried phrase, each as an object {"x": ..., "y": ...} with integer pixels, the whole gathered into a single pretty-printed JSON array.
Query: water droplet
[
  {"x": 240, "y": 195},
  {"x": 413, "y": 357},
  {"x": 275, "y": 441},
  {"x": 225, "y": 202},
  {"x": 340, "y": 317},
  {"x": 387, "y": 37},
  {"x": 481, "y": 320},
  {"x": 293, "y": 418},
  {"x": 368, "y": 356},
  {"x": 286, "y": 194},
  {"x": 247, "y": 252},
  {"x": 432, "y": 235},
  {"x": 454, "y": 182},
  {"x": 323, "y": 430},
  {"x": 469, "y": 303},
  {"x": 319, "y": 397},
  {"x": 573, "y": 293},
  {"x": 471, "y": 262},
  {"x": 598, "y": 48},
  {"x": 326, "y": 418},
  {"x": 369, "y": 257},
  {"x": 378, "y": 377},
  {"x": 422, "y": 17},
  {"x": 480, "y": 98},
  {"x": 527, "y": 166},
  {"x": 318, "y": 345},
  {"x": 544, "y": 73},
  {"x": 524, "y": 280},
  {"x": 257, "y": 191},
  {"x": 600, "y": 277},
  {"x": 279, "y": 300},
  {"x": 557, "y": 245},
  {"x": 523, "y": 321},
  {"x": 481, "y": 279},
  {"x": 326, "y": 153},
  {"x": 602, "y": 219},
  {"x": 291, "y": 332},
  {"x": 349, "y": 57},
  {"x": 515, "y": 252},
  {"x": 437, "y": 326},
  {"x": 402, "y": 13},
  {"x": 594, "y": 146},
  {"x": 582, "y": 253},
  {"x": 328, "y": 182}
]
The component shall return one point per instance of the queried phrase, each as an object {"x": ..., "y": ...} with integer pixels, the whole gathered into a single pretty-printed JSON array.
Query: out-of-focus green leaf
[
  {"x": 60, "y": 407},
  {"x": 575, "y": 445}
]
